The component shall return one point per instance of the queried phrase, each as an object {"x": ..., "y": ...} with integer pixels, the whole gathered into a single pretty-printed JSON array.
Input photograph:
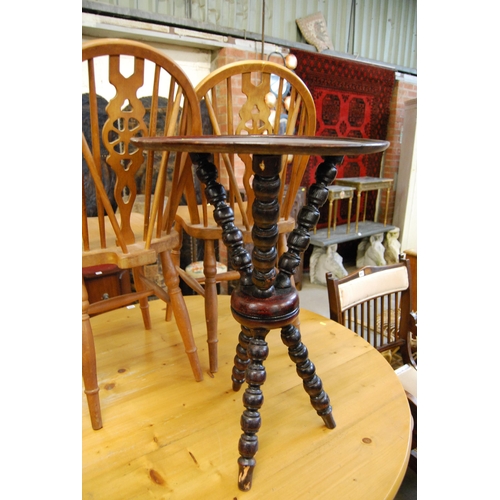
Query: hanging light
[
  {"x": 290, "y": 62},
  {"x": 270, "y": 99}
]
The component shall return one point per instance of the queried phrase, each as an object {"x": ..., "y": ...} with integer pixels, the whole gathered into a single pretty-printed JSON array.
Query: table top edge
[{"x": 264, "y": 144}]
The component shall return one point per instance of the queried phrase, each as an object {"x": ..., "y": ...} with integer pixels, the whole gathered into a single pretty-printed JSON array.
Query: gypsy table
[{"x": 266, "y": 299}]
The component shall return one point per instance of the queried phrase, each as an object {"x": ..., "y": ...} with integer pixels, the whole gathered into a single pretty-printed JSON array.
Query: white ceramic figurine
[
  {"x": 392, "y": 246},
  {"x": 323, "y": 260},
  {"x": 371, "y": 251}
]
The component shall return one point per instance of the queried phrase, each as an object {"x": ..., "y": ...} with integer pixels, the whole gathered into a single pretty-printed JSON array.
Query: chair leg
[
  {"x": 176, "y": 259},
  {"x": 282, "y": 244},
  {"x": 181, "y": 313},
  {"x": 211, "y": 302},
  {"x": 89, "y": 368},
  {"x": 144, "y": 303}
]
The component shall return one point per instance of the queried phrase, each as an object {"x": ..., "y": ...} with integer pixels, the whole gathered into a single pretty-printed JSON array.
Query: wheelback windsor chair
[
  {"x": 246, "y": 98},
  {"x": 114, "y": 230}
]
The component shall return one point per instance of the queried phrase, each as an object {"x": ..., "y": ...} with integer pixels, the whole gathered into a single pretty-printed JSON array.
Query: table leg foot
[
  {"x": 329, "y": 420},
  {"x": 245, "y": 474}
]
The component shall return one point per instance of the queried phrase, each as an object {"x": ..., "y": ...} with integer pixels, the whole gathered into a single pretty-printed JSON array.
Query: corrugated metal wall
[
  {"x": 381, "y": 30},
  {"x": 386, "y": 30}
]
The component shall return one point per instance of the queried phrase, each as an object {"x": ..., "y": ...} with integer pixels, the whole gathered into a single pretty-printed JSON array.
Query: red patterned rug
[{"x": 352, "y": 100}]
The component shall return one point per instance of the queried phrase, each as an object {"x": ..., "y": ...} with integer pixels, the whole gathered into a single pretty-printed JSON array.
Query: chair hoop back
[
  {"x": 371, "y": 286},
  {"x": 246, "y": 97},
  {"x": 149, "y": 95}
]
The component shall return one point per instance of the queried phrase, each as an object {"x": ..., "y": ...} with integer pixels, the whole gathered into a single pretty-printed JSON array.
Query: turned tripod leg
[
  {"x": 290, "y": 335},
  {"x": 241, "y": 360},
  {"x": 252, "y": 400}
]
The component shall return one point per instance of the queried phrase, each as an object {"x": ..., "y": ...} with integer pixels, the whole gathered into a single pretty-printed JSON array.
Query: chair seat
[
  {"x": 214, "y": 232},
  {"x": 407, "y": 375},
  {"x": 195, "y": 269},
  {"x": 137, "y": 254}
]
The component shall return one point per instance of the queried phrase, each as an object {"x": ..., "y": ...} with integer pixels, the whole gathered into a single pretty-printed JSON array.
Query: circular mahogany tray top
[{"x": 264, "y": 144}]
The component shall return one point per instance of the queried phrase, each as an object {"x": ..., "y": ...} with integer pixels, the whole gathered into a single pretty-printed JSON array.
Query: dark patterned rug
[{"x": 352, "y": 100}]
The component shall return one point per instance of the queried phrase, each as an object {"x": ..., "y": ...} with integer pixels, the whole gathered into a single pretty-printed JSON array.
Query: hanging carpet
[{"x": 352, "y": 100}]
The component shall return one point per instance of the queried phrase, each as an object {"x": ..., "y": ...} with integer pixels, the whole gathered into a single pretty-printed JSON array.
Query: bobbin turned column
[
  {"x": 260, "y": 307},
  {"x": 266, "y": 299}
]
